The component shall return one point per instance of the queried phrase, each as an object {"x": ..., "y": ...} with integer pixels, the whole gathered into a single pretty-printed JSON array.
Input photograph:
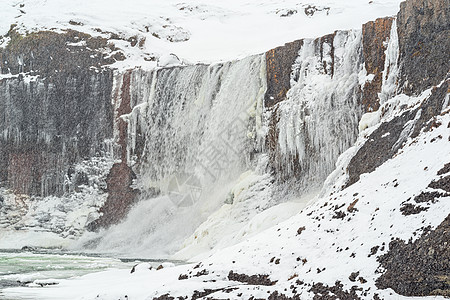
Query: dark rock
[
  {"x": 324, "y": 292},
  {"x": 353, "y": 276},
  {"x": 430, "y": 108},
  {"x": 419, "y": 268},
  {"x": 279, "y": 296},
  {"x": 28, "y": 248},
  {"x": 411, "y": 209},
  {"x": 310, "y": 10},
  {"x": 133, "y": 269},
  {"x": 44, "y": 52},
  {"x": 373, "y": 250},
  {"x": 339, "y": 215},
  {"x": 446, "y": 168},
  {"x": 423, "y": 29},
  {"x": 164, "y": 297},
  {"x": 300, "y": 230},
  {"x": 206, "y": 292},
  {"x": 201, "y": 273},
  {"x": 251, "y": 279},
  {"x": 428, "y": 197},
  {"x": 443, "y": 184},
  {"x": 288, "y": 13},
  {"x": 379, "y": 148}
]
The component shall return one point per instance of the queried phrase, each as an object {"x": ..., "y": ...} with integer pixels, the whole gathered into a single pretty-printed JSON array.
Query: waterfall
[
  {"x": 196, "y": 137},
  {"x": 192, "y": 131}
]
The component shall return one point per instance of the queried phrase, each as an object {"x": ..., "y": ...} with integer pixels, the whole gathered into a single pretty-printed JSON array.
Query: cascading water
[
  {"x": 196, "y": 138},
  {"x": 192, "y": 132}
]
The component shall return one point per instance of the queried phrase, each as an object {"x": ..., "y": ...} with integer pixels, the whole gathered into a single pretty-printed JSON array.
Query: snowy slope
[{"x": 196, "y": 31}]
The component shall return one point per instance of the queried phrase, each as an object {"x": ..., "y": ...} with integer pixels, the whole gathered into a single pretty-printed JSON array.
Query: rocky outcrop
[
  {"x": 120, "y": 178},
  {"x": 48, "y": 53},
  {"x": 55, "y": 110},
  {"x": 279, "y": 63},
  {"x": 423, "y": 31},
  {"x": 120, "y": 196},
  {"x": 419, "y": 268},
  {"x": 375, "y": 34},
  {"x": 383, "y": 143}
]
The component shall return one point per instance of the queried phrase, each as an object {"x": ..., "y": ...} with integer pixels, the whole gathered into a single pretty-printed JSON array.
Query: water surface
[{"x": 36, "y": 268}]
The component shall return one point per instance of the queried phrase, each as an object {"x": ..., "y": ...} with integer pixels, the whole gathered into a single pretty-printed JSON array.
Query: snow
[
  {"x": 53, "y": 221},
  {"x": 168, "y": 60},
  {"x": 194, "y": 30},
  {"x": 369, "y": 119}
]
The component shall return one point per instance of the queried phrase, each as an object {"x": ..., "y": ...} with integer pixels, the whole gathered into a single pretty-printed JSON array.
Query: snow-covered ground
[{"x": 195, "y": 30}]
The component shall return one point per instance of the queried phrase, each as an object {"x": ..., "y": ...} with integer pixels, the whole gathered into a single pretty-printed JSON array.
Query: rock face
[
  {"x": 56, "y": 120},
  {"x": 389, "y": 137},
  {"x": 120, "y": 178},
  {"x": 419, "y": 268},
  {"x": 279, "y": 63},
  {"x": 49, "y": 125},
  {"x": 120, "y": 196},
  {"x": 423, "y": 30},
  {"x": 61, "y": 117},
  {"x": 375, "y": 34}
]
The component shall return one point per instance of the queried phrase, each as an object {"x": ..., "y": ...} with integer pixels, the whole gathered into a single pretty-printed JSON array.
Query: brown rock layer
[
  {"x": 279, "y": 63},
  {"x": 374, "y": 35},
  {"x": 120, "y": 196},
  {"x": 120, "y": 178}
]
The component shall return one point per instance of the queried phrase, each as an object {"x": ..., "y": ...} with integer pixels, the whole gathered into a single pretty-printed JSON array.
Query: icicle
[
  {"x": 319, "y": 119},
  {"x": 391, "y": 68}
]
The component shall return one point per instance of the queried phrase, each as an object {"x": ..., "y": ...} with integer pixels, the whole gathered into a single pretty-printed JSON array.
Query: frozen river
[{"x": 37, "y": 269}]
